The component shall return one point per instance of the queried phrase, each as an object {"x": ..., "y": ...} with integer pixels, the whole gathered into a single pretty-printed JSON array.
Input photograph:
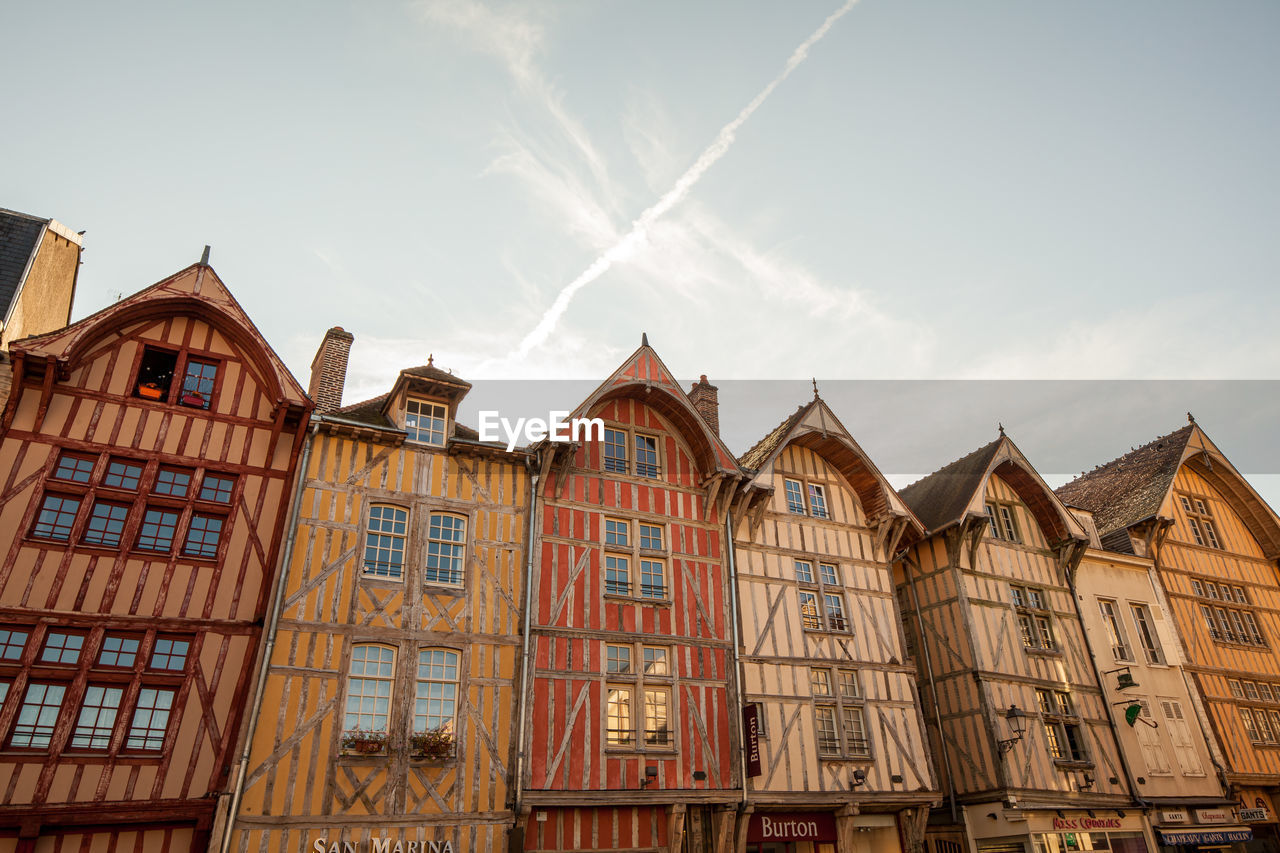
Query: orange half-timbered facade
[
  {"x": 836, "y": 757},
  {"x": 632, "y": 737},
  {"x": 387, "y": 714},
  {"x": 146, "y": 461},
  {"x": 1179, "y": 502},
  {"x": 1021, "y": 730}
]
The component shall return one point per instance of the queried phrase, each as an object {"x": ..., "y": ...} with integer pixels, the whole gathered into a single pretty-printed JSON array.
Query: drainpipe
[
  {"x": 737, "y": 659},
  {"x": 933, "y": 687},
  {"x": 526, "y": 648},
  {"x": 256, "y": 705}
]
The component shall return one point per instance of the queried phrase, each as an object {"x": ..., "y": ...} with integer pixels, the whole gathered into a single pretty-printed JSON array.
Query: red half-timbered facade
[
  {"x": 632, "y": 740},
  {"x": 145, "y": 471}
]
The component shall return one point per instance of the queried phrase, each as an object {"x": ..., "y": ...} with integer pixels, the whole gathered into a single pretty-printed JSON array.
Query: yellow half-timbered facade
[{"x": 386, "y": 715}]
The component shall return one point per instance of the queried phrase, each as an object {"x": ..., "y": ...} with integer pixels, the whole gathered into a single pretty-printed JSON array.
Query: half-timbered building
[
  {"x": 1021, "y": 730},
  {"x": 1215, "y": 544},
  {"x": 386, "y": 714},
  {"x": 836, "y": 754},
  {"x": 632, "y": 735},
  {"x": 146, "y": 462}
]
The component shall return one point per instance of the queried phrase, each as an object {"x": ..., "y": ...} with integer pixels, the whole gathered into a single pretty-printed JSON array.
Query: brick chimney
[
  {"x": 705, "y": 399},
  {"x": 329, "y": 369}
]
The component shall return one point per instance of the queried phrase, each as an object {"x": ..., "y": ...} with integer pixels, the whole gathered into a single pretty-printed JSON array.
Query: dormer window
[
  {"x": 424, "y": 421},
  {"x": 159, "y": 374}
]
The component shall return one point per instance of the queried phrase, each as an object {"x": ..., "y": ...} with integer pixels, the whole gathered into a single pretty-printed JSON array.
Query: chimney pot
[{"x": 329, "y": 369}]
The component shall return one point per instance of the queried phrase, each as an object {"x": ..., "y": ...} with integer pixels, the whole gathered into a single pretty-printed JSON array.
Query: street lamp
[{"x": 1017, "y": 721}]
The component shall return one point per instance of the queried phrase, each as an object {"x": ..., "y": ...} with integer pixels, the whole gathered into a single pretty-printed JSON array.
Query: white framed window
[
  {"x": 651, "y": 537},
  {"x": 627, "y": 452},
  {"x": 435, "y": 705},
  {"x": 618, "y": 660},
  {"x": 446, "y": 544},
  {"x": 638, "y": 697},
  {"x": 647, "y": 456},
  {"x": 384, "y": 541},
  {"x": 425, "y": 421},
  {"x": 618, "y": 729},
  {"x": 622, "y": 551},
  {"x": 795, "y": 496},
  {"x": 818, "y": 501},
  {"x": 804, "y": 571},
  {"x": 368, "y": 707}
]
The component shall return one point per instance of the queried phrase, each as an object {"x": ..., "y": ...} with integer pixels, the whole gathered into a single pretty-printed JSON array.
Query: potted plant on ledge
[
  {"x": 434, "y": 745},
  {"x": 361, "y": 742}
]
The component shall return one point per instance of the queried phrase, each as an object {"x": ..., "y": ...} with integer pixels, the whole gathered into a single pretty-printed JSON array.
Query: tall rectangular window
[
  {"x": 653, "y": 581},
  {"x": 618, "y": 716},
  {"x": 36, "y": 718},
  {"x": 198, "y": 382},
  {"x": 384, "y": 545},
  {"x": 150, "y": 719},
  {"x": 809, "y": 614},
  {"x": 650, "y": 537},
  {"x": 435, "y": 706},
  {"x": 818, "y": 501},
  {"x": 368, "y": 706},
  {"x": 56, "y": 517},
  {"x": 657, "y": 729},
  {"x": 617, "y": 579},
  {"x": 425, "y": 422},
  {"x": 97, "y": 717},
  {"x": 828, "y": 738},
  {"x": 1115, "y": 630},
  {"x": 446, "y": 538},
  {"x": 646, "y": 456},
  {"x": 615, "y": 451},
  {"x": 1147, "y": 633},
  {"x": 159, "y": 526},
  {"x": 795, "y": 497}
]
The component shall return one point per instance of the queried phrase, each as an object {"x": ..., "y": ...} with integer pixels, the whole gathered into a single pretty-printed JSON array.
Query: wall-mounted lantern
[
  {"x": 1017, "y": 722},
  {"x": 1124, "y": 678}
]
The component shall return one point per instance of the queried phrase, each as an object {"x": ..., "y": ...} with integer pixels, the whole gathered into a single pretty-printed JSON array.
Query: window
[
  {"x": 12, "y": 642},
  {"x": 840, "y": 726},
  {"x": 615, "y": 451},
  {"x": 1183, "y": 745},
  {"x": 1228, "y": 624},
  {"x": 822, "y": 608},
  {"x": 1146, "y": 633},
  {"x": 446, "y": 538},
  {"x": 616, "y": 575},
  {"x": 834, "y": 603},
  {"x": 119, "y": 651},
  {"x": 425, "y": 422},
  {"x": 173, "y": 482},
  {"x": 1237, "y": 689},
  {"x": 197, "y": 383},
  {"x": 105, "y": 525},
  {"x": 56, "y": 517},
  {"x": 62, "y": 648},
  {"x": 650, "y": 537},
  {"x": 1200, "y": 522},
  {"x": 123, "y": 474},
  {"x": 203, "y": 535},
  {"x": 653, "y": 582},
  {"x": 1115, "y": 630},
  {"x": 648, "y": 684},
  {"x": 817, "y": 501},
  {"x": 155, "y": 374},
  {"x": 1061, "y": 726},
  {"x": 828, "y": 573},
  {"x": 97, "y": 718},
  {"x": 436, "y": 704},
  {"x": 646, "y": 456},
  {"x": 169, "y": 654},
  {"x": 1002, "y": 521},
  {"x": 36, "y": 718},
  {"x": 616, "y": 459},
  {"x": 384, "y": 547},
  {"x": 1154, "y": 754},
  {"x": 1033, "y": 619},
  {"x": 158, "y": 529},
  {"x": 1250, "y": 690},
  {"x": 810, "y": 616},
  {"x": 74, "y": 468},
  {"x": 369, "y": 689},
  {"x": 804, "y": 571},
  {"x": 795, "y": 497},
  {"x": 620, "y": 549},
  {"x": 217, "y": 488},
  {"x": 150, "y": 719},
  {"x": 158, "y": 369},
  {"x": 617, "y": 532}
]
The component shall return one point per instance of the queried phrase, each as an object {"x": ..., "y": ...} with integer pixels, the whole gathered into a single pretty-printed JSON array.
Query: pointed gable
[
  {"x": 644, "y": 377},
  {"x": 957, "y": 492},
  {"x": 195, "y": 291},
  {"x": 816, "y": 427}
]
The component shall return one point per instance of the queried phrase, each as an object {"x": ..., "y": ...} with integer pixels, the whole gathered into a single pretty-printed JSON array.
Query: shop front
[
  {"x": 1002, "y": 830},
  {"x": 1185, "y": 830},
  {"x": 821, "y": 832},
  {"x": 1257, "y": 811}
]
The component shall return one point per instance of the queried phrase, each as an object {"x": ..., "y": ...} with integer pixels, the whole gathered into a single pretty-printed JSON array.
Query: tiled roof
[
  {"x": 1130, "y": 489},
  {"x": 19, "y": 236},
  {"x": 940, "y": 498},
  {"x": 370, "y": 412},
  {"x": 756, "y": 456},
  {"x": 435, "y": 374}
]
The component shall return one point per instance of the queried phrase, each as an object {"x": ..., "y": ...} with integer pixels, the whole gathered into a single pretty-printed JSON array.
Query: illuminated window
[{"x": 618, "y": 716}]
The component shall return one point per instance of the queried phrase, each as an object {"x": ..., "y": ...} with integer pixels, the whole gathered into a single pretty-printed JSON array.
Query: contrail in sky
[{"x": 640, "y": 227}]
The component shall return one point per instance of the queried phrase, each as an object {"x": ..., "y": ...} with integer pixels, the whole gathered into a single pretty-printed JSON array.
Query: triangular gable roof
[
  {"x": 1134, "y": 487},
  {"x": 197, "y": 291},
  {"x": 642, "y": 374},
  {"x": 425, "y": 379},
  {"x": 815, "y": 426},
  {"x": 957, "y": 491}
]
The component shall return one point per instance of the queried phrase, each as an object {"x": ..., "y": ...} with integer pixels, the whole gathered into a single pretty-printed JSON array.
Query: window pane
[
  {"x": 435, "y": 705},
  {"x": 197, "y": 383},
  {"x": 795, "y": 498},
  {"x": 817, "y": 501},
  {"x": 828, "y": 573},
  {"x": 37, "y": 716},
  {"x": 158, "y": 529},
  {"x": 97, "y": 717},
  {"x": 619, "y": 659},
  {"x": 57, "y": 515},
  {"x": 615, "y": 451},
  {"x": 369, "y": 689},
  {"x": 835, "y": 612},
  {"x": 809, "y": 617},
  {"x": 61, "y": 648},
  {"x": 217, "y": 488},
  {"x": 150, "y": 719},
  {"x": 618, "y": 716},
  {"x": 118, "y": 651},
  {"x": 173, "y": 482},
  {"x": 653, "y": 583},
  {"x": 203, "y": 535},
  {"x": 444, "y": 549},
  {"x": 855, "y": 734},
  {"x": 616, "y": 579},
  {"x": 819, "y": 682},
  {"x": 169, "y": 654},
  {"x": 425, "y": 422},
  {"x": 74, "y": 469},
  {"x": 655, "y": 661},
  {"x": 804, "y": 571},
  {"x": 123, "y": 474},
  {"x": 828, "y": 740},
  {"x": 646, "y": 456},
  {"x": 12, "y": 643},
  {"x": 384, "y": 547},
  {"x": 651, "y": 537},
  {"x": 106, "y": 524},
  {"x": 849, "y": 683},
  {"x": 617, "y": 532},
  {"x": 657, "y": 732}
]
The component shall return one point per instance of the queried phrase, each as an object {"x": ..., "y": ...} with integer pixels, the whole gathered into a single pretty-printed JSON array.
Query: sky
[{"x": 870, "y": 190}]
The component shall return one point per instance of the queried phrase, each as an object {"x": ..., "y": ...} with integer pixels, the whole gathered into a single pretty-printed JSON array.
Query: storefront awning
[{"x": 1217, "y": 835}]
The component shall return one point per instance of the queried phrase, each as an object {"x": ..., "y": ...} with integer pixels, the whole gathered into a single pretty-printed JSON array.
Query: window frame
[
  {"x": 1034, "y": 619},
  {"x": 415, "y": 433},
  {"x": 392, "y": 535},
  {"x": 451, "y": 725},
  {"x": 1002, "y": 521},
  {"x": 350, "y": 676},
  {"x": 1063, "y": 728},
  {"x": 1198, "y": 512},
  {"x": 830, "y": 700},
  {"x": 460, "y": 573},
  {"x": 817, "y": 587},
  {"x": 638, "y": 681},
  {"x": 625, "y": 555},
  {"x": 175, "y": 393},
  {"x": 630, "y": 463}
]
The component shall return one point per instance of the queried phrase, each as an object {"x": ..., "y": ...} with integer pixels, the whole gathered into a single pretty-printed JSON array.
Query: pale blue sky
[{"x": 940, "y": 189}]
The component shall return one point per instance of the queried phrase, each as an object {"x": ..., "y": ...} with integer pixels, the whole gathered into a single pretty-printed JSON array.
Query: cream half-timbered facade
[
  {"x": 1022, "y": 731},
  {"x": 387, "y": 710},
  {"x": 833, "y": 720}
]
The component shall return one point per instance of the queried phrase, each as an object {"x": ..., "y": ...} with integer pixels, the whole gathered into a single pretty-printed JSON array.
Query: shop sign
[
  {"x": 1086, "y": 823},
  {"x": 1254, "y": 815},
  {"x": 791, "y": 826},
  {"x": 381, "y": 845},
  {"x": 1183, "y": 837},
  {"x": 1213, "y": 816},
  {"x": 751, "y": 724},
  {"x": 1174, "y": 816}
]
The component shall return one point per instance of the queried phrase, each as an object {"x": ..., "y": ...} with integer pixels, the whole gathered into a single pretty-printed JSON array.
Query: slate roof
[
  {"x": 19, "y": 238},
  {"x": 939, "y": 500},
  {"x": 370, "y": 412},
  {"x": 756, "y": 456},
  {"x": 1129, "y": 489},
  {"x": 435, "y": 374}
]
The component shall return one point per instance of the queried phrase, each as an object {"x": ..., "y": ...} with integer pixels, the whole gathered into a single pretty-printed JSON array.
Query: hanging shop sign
[
  {"x": 1214, "y": 816},
  {"x": 791, "y": 826},
  {"x": 1185, "y": 837},
  {"x": 1174, "y": 816},
  {"x": 751, "y": 725}
]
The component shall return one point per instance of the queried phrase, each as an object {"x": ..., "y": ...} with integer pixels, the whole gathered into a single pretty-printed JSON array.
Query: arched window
[
  {"x": 436, "y": 705},
  {"x": 384, "y": 547},
  {"x": 369, "y": 689},
  {"x": 445, "y": 546}
]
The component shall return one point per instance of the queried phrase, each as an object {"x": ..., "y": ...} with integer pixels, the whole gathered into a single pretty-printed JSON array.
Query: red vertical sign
[{"x": 751, "y": 725}]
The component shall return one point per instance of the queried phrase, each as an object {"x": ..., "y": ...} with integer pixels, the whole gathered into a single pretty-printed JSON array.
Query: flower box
[
  {"x": 435, "y": 745},
  {"x": 364, "y": 743},
  {"x": 190, "y": 399},
  {"x": 150, "y": 391}
]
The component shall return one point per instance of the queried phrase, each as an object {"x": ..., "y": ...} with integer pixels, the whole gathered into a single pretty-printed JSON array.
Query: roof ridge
[{"x": 1097, "y": 469}]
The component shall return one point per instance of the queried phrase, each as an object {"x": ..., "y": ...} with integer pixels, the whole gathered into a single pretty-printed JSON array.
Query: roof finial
[
  {"x": 431, "y": 358},
  {"x": 644, "y": 339},
  {"x": 815, "y": 387},
  {"x": 204, "y": 258},
  {"x": 1191, "y": 419},
  {"x": 1000, "y": 427}
]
